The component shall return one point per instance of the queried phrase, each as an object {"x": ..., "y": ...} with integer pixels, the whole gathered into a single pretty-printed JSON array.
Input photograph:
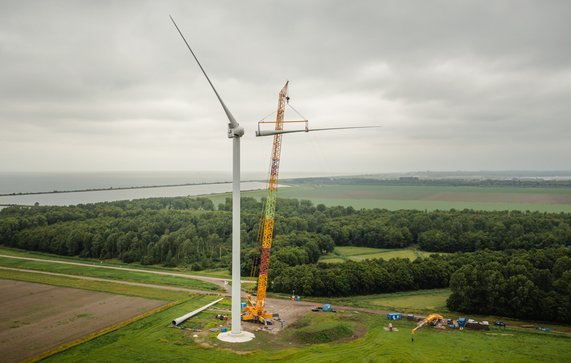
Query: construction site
[{"x": 262, "y": 315}]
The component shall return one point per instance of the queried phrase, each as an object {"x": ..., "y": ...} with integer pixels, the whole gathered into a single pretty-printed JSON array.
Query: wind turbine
[{"x": 235, "y": 132}]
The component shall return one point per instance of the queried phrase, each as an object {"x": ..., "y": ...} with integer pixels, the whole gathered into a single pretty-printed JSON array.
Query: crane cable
[{"x": 296, "y": 111}]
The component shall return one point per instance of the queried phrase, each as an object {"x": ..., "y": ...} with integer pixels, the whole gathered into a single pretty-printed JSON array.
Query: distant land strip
[
  {"x": 417, "y": 181},
  {"x": 124, "y": 188}
]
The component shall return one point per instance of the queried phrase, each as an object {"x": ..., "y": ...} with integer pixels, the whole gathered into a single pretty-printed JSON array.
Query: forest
[{"x": 508, "y": 263}]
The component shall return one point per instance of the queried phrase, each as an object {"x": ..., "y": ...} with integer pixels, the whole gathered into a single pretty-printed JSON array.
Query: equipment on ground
[
  {"x": 432, "y": 318},
  {"x": 325, "y": 308},
  {"x": 394, "y": 316},
  {"x": 328, "y": 309}
]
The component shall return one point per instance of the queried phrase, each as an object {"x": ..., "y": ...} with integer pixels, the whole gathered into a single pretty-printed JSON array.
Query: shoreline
[{"x": 123, "y": 188}]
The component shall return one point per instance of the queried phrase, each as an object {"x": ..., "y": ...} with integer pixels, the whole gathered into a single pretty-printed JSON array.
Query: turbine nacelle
[{"x": 235, "y": 131}]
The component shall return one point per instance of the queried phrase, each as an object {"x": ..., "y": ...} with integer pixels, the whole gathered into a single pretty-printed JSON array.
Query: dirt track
[
  {"x": 163, "y": 287},
  {"x": 215, "y": 280},
  {"x": 36, "y": 317}
]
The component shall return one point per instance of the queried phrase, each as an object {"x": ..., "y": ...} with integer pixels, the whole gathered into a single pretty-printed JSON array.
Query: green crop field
[
  {"x": 417, "y": 302},
  {"x": 425, "y": 197},
  {"x": 103, "y": 286},
  {"x": 152, "y": 340},
  {"x": 344, "y": 253},
  {"x": 221, "y": 273},
  {"x": 111, "y": 274}
]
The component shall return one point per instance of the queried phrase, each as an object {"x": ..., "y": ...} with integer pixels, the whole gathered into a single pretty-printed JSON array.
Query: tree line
[
  {"x": 532, "y": 284},
  {"x": 361, "y": 278},
  {"x": 191, "y": 231}
]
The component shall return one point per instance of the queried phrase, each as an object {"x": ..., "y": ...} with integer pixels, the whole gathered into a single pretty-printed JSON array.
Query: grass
[
  {"x": 101, "y": 286},
  {"x": 419, "y": 302},
  {"x": 141, "y": 277},
  {"x": 321, "y": 328},
  {"x": 424, "y": 197},
  {"x": 343, "y": 253},
  {"x": 151, "y": 340},
  {"x": 331, "y": 259},
  {"x": 220, "y": 273}
]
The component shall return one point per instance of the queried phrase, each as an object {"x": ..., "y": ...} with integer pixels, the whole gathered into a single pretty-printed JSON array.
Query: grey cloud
[{"x": 456, "y": 85}]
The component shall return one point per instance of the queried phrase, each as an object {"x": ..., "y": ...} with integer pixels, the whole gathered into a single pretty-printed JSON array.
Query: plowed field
[{"x": 35, "y": 317}]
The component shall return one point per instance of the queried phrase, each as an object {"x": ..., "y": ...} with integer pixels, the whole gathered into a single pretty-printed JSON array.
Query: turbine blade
[
  {"x": 274, "y": 132},
  {"x": 233, "y": 122}
]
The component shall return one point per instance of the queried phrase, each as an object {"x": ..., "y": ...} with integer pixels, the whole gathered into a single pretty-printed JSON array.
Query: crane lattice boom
[{"x": 255, "y": 310}]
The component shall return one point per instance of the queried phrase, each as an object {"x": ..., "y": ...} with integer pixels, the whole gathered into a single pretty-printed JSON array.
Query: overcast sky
[{"x": 456, "y": 85}]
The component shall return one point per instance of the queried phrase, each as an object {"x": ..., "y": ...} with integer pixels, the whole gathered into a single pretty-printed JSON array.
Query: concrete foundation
[{"x": 244, "y": 336}]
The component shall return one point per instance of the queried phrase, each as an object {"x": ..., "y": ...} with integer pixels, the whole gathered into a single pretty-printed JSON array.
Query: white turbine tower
[{"x": 235, "y": 132}]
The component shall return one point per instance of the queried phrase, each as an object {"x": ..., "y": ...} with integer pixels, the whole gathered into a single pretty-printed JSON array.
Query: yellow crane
[
  {"x": 429, "y": 319},
  {"x": 254, "y": 310}
]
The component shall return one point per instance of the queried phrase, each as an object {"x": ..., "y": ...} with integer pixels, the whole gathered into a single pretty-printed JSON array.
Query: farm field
[
  {"x": 37, "y": 317},
  {"x": 416, "y": 302},
  {"x": 220, "y": 273},
  {"x": 106, "y": 273},
  {"x": 100, "y": 286},
  {"x": 375, "y": 345},
  {"x": 425, "y": 197},
  {"x": 344, "y": 253}
]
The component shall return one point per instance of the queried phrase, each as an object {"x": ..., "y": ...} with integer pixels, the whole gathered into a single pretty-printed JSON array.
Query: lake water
[
  {"x": 74, "y": 198},
  {"x": 48, "y": 182}
]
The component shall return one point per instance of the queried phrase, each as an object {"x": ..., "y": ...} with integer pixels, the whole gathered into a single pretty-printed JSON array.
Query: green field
[
  {"x": 151, "y": 340},
  {"x": 103, "y": 286},
  {"x": 221, "y": 273},
  {"x": 344, "y": 253},
  {"x": 104, "y": 273},
  {"x": 414, "y": 302},
  {"x": 425, "y": 197}
]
